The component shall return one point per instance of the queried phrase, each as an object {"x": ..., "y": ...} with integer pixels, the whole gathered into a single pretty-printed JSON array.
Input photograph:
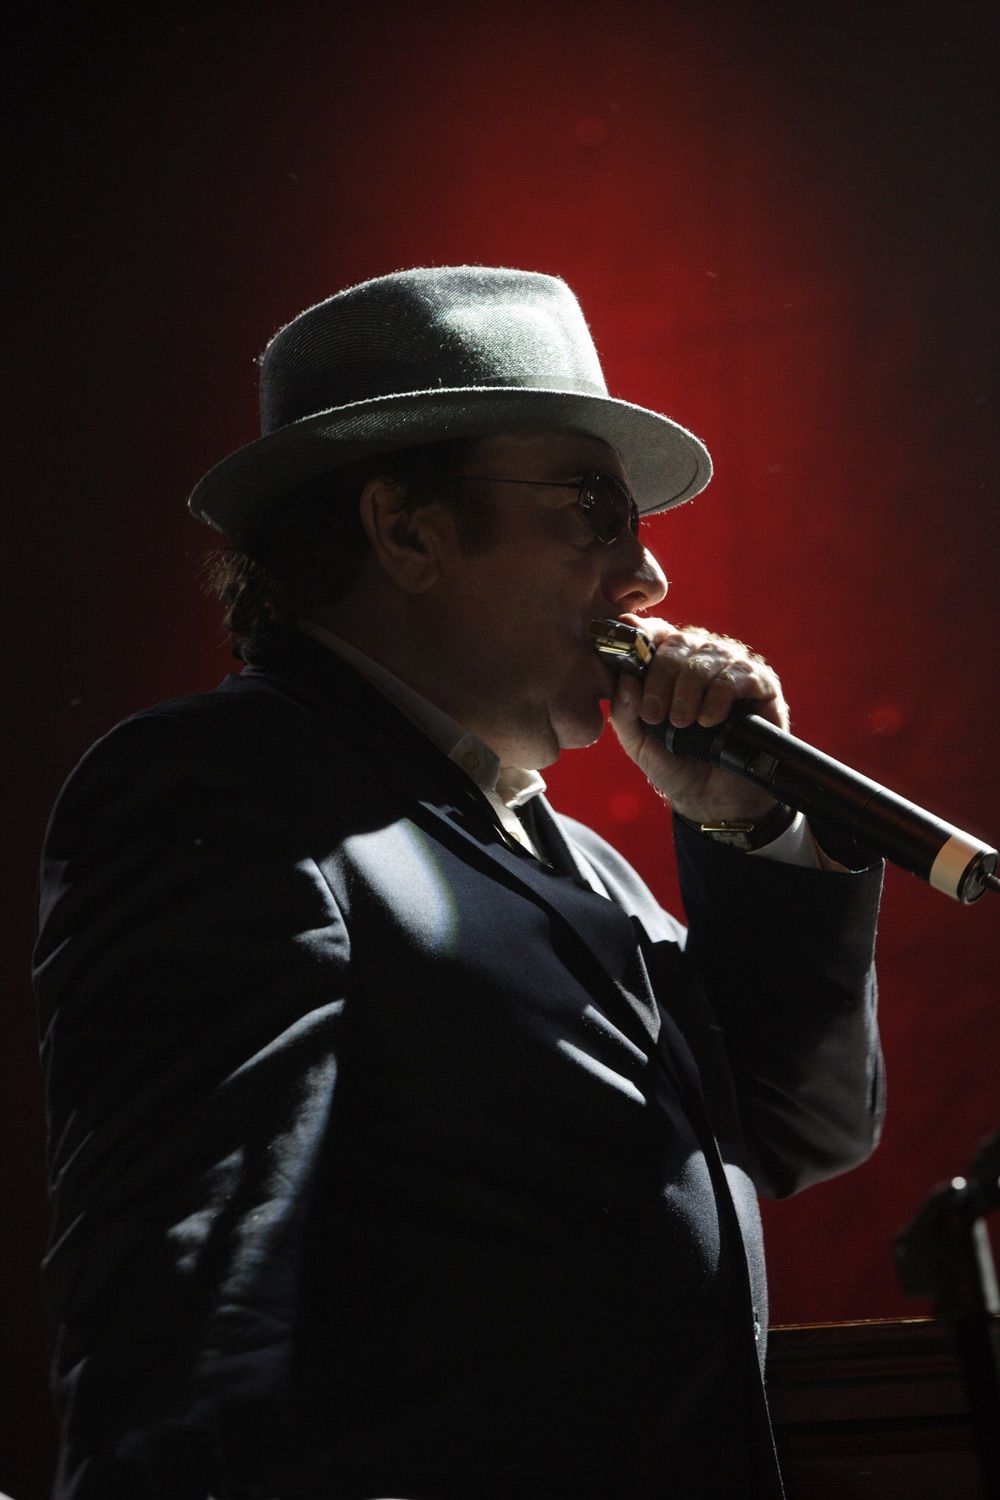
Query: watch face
[
  {"x": 750, "y": 836},
  {"x": 736, "y": 835}
]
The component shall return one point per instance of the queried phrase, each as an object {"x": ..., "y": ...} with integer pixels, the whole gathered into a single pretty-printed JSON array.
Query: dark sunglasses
[{"x": 604, "y": 501}]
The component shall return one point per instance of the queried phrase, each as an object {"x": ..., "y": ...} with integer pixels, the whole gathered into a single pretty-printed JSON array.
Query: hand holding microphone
[{"x": 751, "y": 746}]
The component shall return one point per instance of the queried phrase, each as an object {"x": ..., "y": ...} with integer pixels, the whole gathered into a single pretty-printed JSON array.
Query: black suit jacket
[{"x": 387, "y": 1159}]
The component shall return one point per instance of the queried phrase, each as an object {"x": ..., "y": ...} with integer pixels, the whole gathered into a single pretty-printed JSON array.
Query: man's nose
[{"x": 633, "y": 581}]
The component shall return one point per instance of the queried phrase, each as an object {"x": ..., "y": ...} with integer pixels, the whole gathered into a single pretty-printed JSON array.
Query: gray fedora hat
[{"x": 425, "y": 355}]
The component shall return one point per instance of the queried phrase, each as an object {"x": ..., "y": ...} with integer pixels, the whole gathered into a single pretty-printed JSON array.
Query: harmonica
[{"x": 626, "y": 648}]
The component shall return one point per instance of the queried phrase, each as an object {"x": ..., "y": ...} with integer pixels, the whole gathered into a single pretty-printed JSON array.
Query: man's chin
[
  {"x": 560, "y": 727},
  {"x": 576, "y": 730}
]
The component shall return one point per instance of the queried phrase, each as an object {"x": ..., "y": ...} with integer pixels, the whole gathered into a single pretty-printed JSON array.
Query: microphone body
[
  {"x": 831, "y": 793},
  {"x": 826, "y": 790}
]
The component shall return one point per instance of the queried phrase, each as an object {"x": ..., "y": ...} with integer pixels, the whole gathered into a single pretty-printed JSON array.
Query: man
[{"x": 402, "y": 1144}]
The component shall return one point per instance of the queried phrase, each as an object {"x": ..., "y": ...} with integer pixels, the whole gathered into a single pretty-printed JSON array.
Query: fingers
[
  {"x": 696, "y": 678},
  {"x": 625, "y": 715}
]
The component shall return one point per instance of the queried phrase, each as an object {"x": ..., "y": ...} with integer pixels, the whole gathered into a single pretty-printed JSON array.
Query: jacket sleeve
[
  {"x": 191, "y": 976},
  {"x": 785, "y": 956}
]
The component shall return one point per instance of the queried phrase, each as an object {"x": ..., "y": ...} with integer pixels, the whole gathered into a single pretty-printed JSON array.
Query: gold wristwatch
[{"x": 744, "y": 834}]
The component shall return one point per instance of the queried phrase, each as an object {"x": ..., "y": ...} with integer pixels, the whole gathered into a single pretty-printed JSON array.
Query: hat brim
[{"x": 665, "y": 463}]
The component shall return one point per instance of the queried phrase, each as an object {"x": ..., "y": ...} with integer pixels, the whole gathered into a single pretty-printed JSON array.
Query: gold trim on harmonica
[{"x": 627, "y": 649}]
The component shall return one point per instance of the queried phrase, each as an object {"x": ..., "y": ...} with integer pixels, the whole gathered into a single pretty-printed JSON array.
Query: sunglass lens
[{"x": 609, "y": 507}]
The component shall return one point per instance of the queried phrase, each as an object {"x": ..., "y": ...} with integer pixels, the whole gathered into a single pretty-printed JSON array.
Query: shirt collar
[{"x": 512, "y": 784}]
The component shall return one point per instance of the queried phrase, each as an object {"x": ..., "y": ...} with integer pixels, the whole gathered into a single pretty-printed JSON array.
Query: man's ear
[{"x": 406, "y": 543}]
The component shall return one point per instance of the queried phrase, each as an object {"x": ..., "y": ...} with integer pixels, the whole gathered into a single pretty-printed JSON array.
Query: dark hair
[{"x": 307, "y": 555}]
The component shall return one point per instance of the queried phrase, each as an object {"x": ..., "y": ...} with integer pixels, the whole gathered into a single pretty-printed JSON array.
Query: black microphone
[{"x": 827, "y": 791}]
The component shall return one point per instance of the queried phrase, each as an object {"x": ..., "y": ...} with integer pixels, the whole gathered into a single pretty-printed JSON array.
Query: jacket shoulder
[
  {"x": 233, "y": 746},
  {"x": 240, "y": 721}
]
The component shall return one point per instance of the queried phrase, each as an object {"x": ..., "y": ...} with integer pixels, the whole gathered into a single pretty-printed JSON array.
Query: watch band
[{"x": 746, "y": 834}]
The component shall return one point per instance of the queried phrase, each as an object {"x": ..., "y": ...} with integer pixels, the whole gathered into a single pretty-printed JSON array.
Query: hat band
[{"x": 312, "y": 402}]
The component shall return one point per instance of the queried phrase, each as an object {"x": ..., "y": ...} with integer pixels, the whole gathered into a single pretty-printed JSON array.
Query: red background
[{"x": 782, "y": 226}]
